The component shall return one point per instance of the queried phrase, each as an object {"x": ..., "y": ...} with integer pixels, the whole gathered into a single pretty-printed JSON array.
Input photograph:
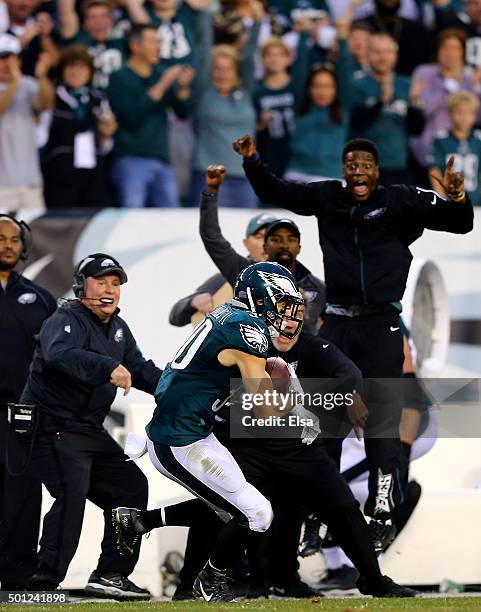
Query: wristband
[{"x": 459, "y": 197}]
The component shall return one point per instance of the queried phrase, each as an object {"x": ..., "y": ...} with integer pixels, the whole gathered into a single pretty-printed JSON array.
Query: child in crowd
[{"x": 462, "y": 141}]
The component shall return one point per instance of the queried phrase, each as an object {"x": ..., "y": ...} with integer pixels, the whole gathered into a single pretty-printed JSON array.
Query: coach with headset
[
  {"x": 23, "y": 308},
  {"x": 86, "y": 351}
]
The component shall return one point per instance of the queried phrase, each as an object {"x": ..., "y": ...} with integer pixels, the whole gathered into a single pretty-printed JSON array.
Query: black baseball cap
[
  {"x": 287, "y": 223},
  {"x": 100, "y": 264}
]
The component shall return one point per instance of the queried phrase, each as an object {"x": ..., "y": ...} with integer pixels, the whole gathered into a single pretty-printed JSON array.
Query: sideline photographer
[{"x": 86, "y": 351}]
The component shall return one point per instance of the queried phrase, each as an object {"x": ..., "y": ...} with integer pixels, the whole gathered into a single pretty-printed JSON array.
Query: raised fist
[
  {"x": 214, "y": 176},
  {"x": 245, "y": 146}
]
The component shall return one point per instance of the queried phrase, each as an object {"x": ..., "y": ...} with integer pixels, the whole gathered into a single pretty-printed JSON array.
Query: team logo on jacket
[
  {"x": 119, "y": 335},
  {"x": 374, "y": 214},
  {"x": 27, "y": 298},
  {"x": 254, "y": 337}
]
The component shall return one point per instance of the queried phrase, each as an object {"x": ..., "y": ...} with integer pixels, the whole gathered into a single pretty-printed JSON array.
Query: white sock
[{"x": 335, "y": 557}]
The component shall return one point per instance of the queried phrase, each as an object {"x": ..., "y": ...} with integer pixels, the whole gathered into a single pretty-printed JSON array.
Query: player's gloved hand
[
  {"x": 358, "y": 414},
  {"x": 309, "y": 432}
]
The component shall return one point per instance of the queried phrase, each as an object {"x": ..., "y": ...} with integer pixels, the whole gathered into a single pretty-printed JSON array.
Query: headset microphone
[{"x": 102, "y": 300}]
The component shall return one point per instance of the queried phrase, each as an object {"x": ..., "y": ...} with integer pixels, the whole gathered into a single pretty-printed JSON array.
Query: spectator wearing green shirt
[
  {"x": 278, "y": 97},
  {"x": 223, "y": 108},
  {"x": 462, "y": 141},
  {"x": 179, "y": 28},
  {"x": 322, "y": 125},
  {"x": 96, "y": 33},
  {"x": 382, "y": 109},
  {"x": 140, "y": 94}
]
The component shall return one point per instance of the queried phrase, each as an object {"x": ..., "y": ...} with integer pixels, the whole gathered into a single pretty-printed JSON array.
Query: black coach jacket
[
  {"x": 365, "y": 245},
  {"x": 23, "y": 308},
  {"x": 70, "y": 373}
]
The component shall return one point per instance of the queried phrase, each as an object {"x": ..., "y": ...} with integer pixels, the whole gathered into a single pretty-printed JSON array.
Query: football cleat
[
  {"x": 212, "y": 585},
  {"x": 128, "y": 527},
  {"x": 311, "y": 540},
  {"x": 382, "y": 534},
  {"x": 386, "y": 588},
  {"x": 342, "y": 578},
  {"x": 115, "y": 586}
]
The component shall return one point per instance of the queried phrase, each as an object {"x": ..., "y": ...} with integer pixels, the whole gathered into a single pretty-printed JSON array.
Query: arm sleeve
[
  {"x": 363, "y": 116},
  {"x": 130, "y": 107},
  {"x": 301, "y": 198},
  {"x": 247, "y": 69},
  {"x": 182, "y": 108},
  {"x": 345, "y": 69},
  {"x": 62, "y": 345},
  {"x": 203, "y": 60},
  {"x": 300, "y": 69},
  {"x": 145, "y": 374},
  {"x": 225, "y": 257},
  {"x": 435, "y": 213},
  {"x": 182, "y": 311}
]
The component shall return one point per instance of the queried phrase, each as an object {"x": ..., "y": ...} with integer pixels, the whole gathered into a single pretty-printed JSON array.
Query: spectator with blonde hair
[
  {"x": 223, "y": 108},
  {"x": 462, "y": 141}
]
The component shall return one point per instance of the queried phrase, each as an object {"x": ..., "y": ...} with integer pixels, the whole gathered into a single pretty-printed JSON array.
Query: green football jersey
[
  {"x": 195, "y": 385},
  {"x": 467, "y": 154},
  {"x": 108, "y": 57},
  {"x": 177, "y": 35}
]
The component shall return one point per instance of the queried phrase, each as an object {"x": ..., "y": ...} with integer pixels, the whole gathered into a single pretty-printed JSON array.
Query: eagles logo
[{"x": 254, "y": 337}]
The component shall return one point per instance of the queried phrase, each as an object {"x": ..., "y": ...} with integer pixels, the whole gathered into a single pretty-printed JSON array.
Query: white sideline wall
[{"x": 165, "y": 260}]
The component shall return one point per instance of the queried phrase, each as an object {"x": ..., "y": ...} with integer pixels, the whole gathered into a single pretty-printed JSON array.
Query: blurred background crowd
[{"x": 125, "y": 102}]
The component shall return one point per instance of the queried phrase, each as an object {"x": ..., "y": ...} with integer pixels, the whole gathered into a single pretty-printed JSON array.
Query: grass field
[{"x": 466, "y": 604}]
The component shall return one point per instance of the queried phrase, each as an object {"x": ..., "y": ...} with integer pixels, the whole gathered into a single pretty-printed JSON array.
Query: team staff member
[
  {"x": 23, "y": 308},
  {"x": 216, "y": 290},
  {"x": 85, "y": 352},
  {"x": 282, "y": 244},
  {"x": 365, "y": 231}
]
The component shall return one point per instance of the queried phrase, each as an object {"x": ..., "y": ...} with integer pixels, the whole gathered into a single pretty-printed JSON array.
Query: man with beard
[
  {"x": 365, "y": 231},
  {"x": 414, "y": 40},
  {"x": 282, "y": 244},
  {"x": 23, "y": 308}
]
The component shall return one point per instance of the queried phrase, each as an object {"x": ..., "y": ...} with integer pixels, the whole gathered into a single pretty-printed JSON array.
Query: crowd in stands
[{"x": 125, "y": 102}]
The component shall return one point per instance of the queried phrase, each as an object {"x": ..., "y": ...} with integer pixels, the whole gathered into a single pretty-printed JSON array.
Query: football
[{"x": 276, "y": 367}]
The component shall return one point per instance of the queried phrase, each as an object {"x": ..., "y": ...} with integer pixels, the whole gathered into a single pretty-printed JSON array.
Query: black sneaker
[
  {"x": 342, "y": 578},
  {"x": 296, "y": 590},
  {"x": 115, "y": 586},
  {"x": 212, "y": 585},
  {"x": 387, "y": 588},
  {"x": 41, "y": 581},
  {"x": 128, "y": 529},
  {"x": 382, "y": 533},
  {"x": 311, "y": 540}
]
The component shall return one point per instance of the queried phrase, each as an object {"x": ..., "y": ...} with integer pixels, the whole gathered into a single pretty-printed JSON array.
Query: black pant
[
  {"x": 305, "y": 475},
  {"x": 75, "y": 466},
  {"x": 20, "y": 506},
  {"x": 375, "y": 345}
]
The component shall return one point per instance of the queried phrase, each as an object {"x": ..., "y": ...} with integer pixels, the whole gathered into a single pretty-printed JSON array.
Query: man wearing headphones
[
  {"x": 86, "y": 351},
  {"x": 23, "y": 308}
]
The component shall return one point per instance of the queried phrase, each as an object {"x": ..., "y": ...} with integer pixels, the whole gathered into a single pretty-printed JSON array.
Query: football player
[{"x": 235, "y": 337}]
